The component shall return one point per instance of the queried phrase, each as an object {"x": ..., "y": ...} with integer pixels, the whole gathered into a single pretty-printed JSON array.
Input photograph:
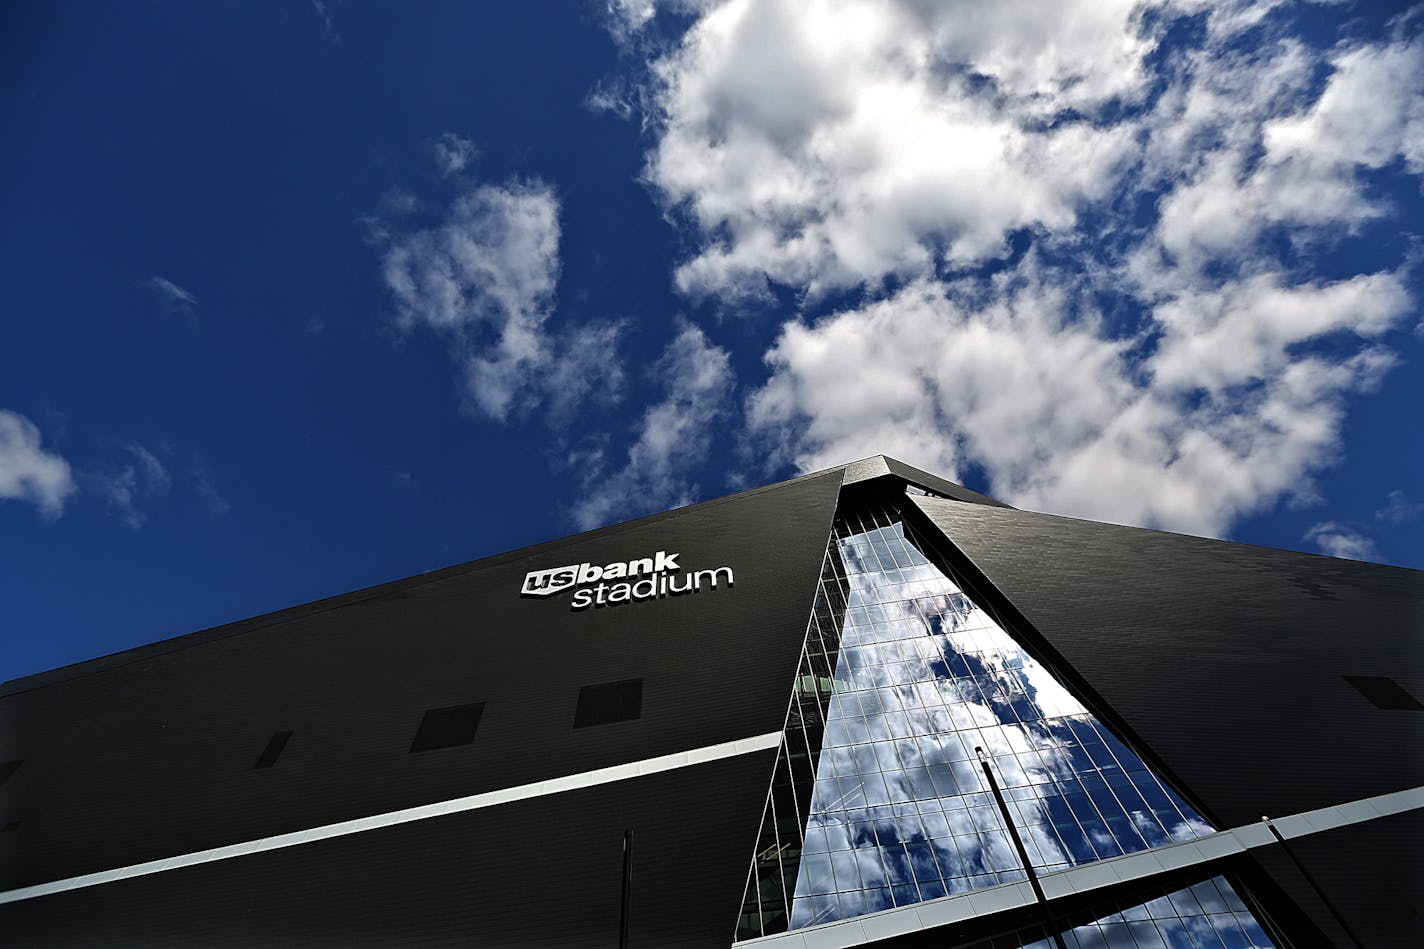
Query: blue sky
[{"x": 301, "y": 298}]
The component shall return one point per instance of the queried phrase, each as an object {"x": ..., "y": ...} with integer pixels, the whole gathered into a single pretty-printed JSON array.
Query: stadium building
[{"x": 866, "y": 707}]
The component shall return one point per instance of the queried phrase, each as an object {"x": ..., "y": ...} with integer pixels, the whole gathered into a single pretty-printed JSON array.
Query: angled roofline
[
  {"x": 883, "y": 466},
  {"x": 864, "y": 471}
]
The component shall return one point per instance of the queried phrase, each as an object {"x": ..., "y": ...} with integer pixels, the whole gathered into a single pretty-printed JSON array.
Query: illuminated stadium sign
[{"x": 623, "y": 581}]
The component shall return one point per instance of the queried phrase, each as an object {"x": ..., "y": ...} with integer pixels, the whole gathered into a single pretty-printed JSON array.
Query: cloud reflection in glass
[{"x": 900, "y": 812}]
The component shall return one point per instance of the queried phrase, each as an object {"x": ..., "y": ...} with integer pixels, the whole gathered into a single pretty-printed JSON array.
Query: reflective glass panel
[{"x": 899, "y": 810}]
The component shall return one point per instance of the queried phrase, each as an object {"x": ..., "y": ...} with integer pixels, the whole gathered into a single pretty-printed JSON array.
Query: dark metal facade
[{"x": 149, "y": 754}]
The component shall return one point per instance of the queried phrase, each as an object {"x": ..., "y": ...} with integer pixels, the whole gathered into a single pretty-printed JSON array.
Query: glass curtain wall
[
  {"x": 771, "y": 884},
  {"x": 879, "y": 798}
]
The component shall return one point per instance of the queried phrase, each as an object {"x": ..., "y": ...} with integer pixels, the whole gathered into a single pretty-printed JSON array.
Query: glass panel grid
[
  {"x": 902, "y": 678},
  {"x": 772, "y": 878}
]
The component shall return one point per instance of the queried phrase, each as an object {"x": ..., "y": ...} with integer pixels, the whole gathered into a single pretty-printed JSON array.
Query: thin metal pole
[
  {"x": 1311, "y": 880},
  {"x": 1023, "y": 852},
  {"x": 627, "y": 888}
]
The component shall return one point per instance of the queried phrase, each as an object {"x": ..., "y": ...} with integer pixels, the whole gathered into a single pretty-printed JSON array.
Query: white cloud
[
  {"x": 131, "y": 487},
  {"x": 1276, "y": 164},
  {"x": 1168, "y": 353},
  {"x": 924, "y": 375},
  {"x": 1015, "y": 376},
  {"x": 1342, "y": 540},
  {"x": 826, "y": 148},
  {"x": 485, "y": 279},
  {"x": 495, "y": 258},
  {"x": 825, "y": 145},
  {"x": 1248, "y": 330},
  {"x": 27, "y": 471},
  {"x": 1371, "y": 114},
  {"x": 674, "y": 435}
]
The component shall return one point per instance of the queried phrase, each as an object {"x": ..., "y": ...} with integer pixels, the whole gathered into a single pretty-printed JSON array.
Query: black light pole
[
  {"x": 627, "y": 888},
  {"x": 1023, "y": 852}
]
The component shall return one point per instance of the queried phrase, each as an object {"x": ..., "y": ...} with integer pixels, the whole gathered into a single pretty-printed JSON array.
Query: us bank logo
[{"x": 623, "y": 581}]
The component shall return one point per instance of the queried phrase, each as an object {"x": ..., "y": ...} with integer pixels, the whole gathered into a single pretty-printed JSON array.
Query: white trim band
[
  {"x": 872, "y": 927},
  {"x": 585, "y": 779}
]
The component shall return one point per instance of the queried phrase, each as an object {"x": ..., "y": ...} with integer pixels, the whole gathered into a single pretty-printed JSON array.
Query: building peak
[{"x": 874, "y": 467}]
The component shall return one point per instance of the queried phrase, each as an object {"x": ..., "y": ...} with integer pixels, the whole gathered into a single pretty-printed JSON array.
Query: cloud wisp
[
  {"x": 132, "y": 485},
  {"x": 173, "y": 298},
  {"x": 1085, "y": 247},
  {"x": 1399, "y": 508},
  {"x": 484, "y": 277},
  {"x": 214, "y": 503},
  {"x": 673, "y": 436},
  {"x": 453, "y": 153}
]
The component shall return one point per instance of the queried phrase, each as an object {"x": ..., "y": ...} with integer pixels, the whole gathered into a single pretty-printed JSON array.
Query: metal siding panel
[
  {"x": 539, "y": 873},
  {"x": 1373, "y": 874},
  {"x": 137, "y": 761}
]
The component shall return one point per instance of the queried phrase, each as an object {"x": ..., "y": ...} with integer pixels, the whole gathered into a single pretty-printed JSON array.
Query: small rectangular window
[
  {"x": 273, "y": 751},
  {"x": 1385, "y": 692},
  {"x": 448, "y": 727},
  {"x": 609, "y": 702}
]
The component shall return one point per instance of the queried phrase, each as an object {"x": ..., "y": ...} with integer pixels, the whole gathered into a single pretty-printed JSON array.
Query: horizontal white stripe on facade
[{"x": 586, "y": 779}]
